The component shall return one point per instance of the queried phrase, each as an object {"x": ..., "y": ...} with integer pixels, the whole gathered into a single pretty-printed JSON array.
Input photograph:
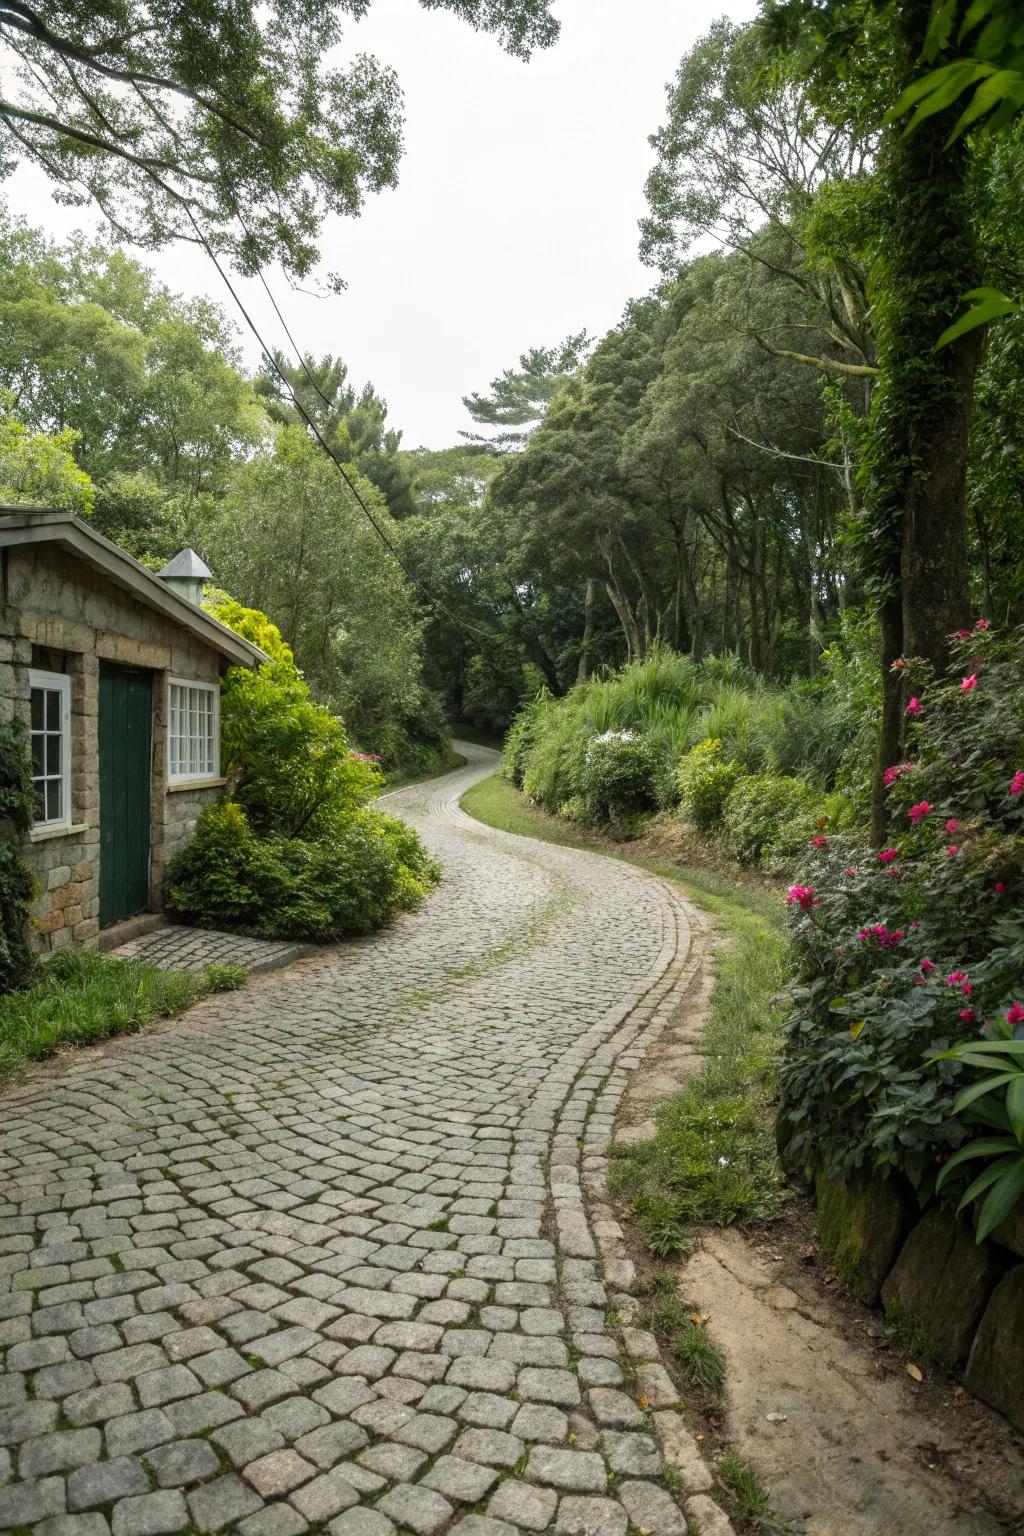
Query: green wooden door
[{"x": 125, "y": 731}]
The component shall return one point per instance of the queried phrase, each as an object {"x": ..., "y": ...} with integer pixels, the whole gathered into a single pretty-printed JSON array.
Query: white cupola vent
[{"x": 186, "y": 574}]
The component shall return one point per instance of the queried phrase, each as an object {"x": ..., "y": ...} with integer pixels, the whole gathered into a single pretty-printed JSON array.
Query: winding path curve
[{"x": 329, "y": 1253}]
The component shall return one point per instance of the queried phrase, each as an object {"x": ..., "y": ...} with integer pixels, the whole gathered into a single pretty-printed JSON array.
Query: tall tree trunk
[
  {"x": 583, "y": 670},
  {"x": 915, "y": 505}
]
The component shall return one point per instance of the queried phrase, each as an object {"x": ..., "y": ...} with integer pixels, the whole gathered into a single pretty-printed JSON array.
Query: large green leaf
[
  {"x": 985, "y": 1146},
  {"x": 990, "y": 305},
  {"x": 985, "y": 1085},
  {"x": 992, "y": 1172},
  {"x": 1002, "y": 1198},
  {"x": 1015, "y": 1105}
]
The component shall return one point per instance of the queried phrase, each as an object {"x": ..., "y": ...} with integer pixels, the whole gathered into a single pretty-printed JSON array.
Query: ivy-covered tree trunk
[{"x": 917, "y": 453}]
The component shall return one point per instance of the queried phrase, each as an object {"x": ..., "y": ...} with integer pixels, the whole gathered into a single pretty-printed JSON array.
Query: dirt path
[{"x": 815, "y": 1402}]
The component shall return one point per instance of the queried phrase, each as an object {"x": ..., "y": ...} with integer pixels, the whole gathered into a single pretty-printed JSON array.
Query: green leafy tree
[
  {"x": 40, "y": 470},
  {"x": 214, "y": 121},
  {"x": 519, "y": 396}
]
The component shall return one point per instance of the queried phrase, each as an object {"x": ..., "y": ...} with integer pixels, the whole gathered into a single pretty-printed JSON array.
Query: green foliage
[
  {"x": 741, "y": 1483},
  {"x": 17, "y": 811},
  {"x": 229, "y": 112},
  {"x": 758, "y": 808},
  {"x": 84, "y": 996},
  {"x": 704, "y": 782},
  {"x": 349, "y": 883},
  {"x": 294, "y": 852},
  {"x": 617, "y": 779},
  {"x": 906, "y": 952},
  {"x": 37, "y": 469},
  {"x": 679, "y": 1326},
  {"x": 996, "y": 1100},
  {"x": 908, "y": 1332}
]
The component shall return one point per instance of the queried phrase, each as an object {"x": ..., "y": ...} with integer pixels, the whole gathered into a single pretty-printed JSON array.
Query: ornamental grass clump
[{"x": 909, "y": 952}]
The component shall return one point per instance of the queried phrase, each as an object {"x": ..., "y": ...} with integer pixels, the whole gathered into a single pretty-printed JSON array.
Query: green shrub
[
  {"x": 819, "y": 815},
  {"x": 279, "y": 887},
  {"x": 757, "y": 808},
  {"x": 617, "y": 779},
  {"x": 522, "y": 735},
  {"x": 704, "y": 781}
]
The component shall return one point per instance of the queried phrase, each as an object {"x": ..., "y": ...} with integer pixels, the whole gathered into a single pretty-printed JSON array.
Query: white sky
[{"x": 515, "y": 219}]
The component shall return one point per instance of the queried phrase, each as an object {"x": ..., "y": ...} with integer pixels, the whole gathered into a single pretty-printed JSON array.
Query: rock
[
  {"x": 862, "y": 1226},
  {"x": 994, "y": 1369},
  {"x": 943, "y": 1279}
]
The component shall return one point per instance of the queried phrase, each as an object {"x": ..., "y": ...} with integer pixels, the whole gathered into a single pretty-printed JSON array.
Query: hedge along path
[{"x": 332, "y": 1253}]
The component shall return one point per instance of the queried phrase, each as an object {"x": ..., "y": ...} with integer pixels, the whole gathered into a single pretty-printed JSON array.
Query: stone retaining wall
[{"x": 925, "y": 1268}]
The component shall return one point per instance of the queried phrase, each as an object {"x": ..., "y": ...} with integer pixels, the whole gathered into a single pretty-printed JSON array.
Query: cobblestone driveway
[{"x": 316, "y": 1256}]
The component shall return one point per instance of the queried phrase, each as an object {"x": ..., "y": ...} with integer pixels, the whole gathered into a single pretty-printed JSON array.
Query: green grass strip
[{"x": 84, "y": 996}]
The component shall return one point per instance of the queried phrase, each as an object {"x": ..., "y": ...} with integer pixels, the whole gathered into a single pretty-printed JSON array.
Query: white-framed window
[
  {"x": 193, "y": 735},
  {"x": 51, "y": 747}
]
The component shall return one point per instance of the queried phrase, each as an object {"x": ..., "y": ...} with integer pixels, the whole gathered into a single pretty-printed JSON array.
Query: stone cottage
[{"x": 115, "y": 672}]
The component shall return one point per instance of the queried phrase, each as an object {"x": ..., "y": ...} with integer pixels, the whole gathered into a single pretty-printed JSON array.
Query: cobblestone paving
[
  {"x": 330, "y": 1253},
  {"x": 177, "y": 948}
]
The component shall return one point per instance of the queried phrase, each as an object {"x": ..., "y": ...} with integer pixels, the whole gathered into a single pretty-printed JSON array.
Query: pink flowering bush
[{"x": 913, "y": 948}]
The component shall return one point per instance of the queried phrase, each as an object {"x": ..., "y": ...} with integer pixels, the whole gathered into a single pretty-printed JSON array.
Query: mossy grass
[
  {"x": 714, "y": 1157},
  {"x": 679, "y": 1327},
  {"x": 908, "y": 1332},
  {"x": 83, "y": 996}
]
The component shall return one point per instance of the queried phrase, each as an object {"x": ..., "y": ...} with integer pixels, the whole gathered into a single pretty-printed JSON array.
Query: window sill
[
  {"x": 182, "y": 784},
  {"x": 43, "y": 834}
]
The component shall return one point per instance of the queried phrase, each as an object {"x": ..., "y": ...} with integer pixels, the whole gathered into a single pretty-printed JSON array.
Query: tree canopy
[{"x": 215, "y": 122}]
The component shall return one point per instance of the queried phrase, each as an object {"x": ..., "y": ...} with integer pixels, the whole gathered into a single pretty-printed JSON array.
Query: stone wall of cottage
[{"x": 59, "y": 615}]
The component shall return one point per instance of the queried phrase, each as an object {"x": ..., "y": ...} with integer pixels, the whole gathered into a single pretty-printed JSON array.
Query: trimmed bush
[
  {"x": 758, "y": 807},
  {"x": 618, "y": 779},
  {"x": 279, "y": 887},
  {"x": 704, "y": 781}
]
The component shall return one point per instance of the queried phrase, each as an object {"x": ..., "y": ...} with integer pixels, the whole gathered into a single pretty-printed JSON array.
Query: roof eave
[{"x": 28, "y": 525}]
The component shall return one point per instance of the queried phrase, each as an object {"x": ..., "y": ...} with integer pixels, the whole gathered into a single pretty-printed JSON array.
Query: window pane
[
  {"x": 53, "y": 754},
  {"x": 37, "y": 709},
  {"x": 38, "y": 790},
  {"x": 52, "y": 709},
  {"x": 54, "y": 810},
  {"x": 38, "y": 746}
]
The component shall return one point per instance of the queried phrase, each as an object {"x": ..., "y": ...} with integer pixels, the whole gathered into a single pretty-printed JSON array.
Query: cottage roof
[
  {"x": 35, "y": 525},
  {"x": 186, "y": 563}
]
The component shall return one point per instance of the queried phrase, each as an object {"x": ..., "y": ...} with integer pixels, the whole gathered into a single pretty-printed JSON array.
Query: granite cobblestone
[{"x": 332, "y": 1252}]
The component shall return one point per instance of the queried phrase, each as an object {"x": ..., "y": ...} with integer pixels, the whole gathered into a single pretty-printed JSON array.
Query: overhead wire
[{"x": 434, "y": 601}]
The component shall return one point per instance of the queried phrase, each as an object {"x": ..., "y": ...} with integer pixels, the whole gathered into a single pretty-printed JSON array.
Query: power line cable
[{"x": 434, "y": 601}]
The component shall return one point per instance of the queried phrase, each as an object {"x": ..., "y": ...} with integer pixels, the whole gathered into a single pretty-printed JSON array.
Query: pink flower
[
  {"x": 818, "y": 842},
  {"x": 1017, "y": 783},
  {"x": 956, "y": 978},
  {"x": 1015, "y": 1014},
  {"x": 897, "y": 771},
  {"x": 898, "y": 666},
  {"x": 967, "y": 989},
  {"x": 803, "y": 896},
  {"x": 919, "y": 811},
  {"x": 968, "y": 1015},
  {"x": 927, "y": 966},
  {"x": 968, "y": 683},
  {"x": 951, "y": 849},
  {"x": 983, "y": 624},
  {"x": 952, "y": 824},
  {"x": 887, "y": 855},
  {"x": 887, "y": 938},
  {"x": 915, "y": 708},
  {"x": 999, "y": 888},
  {"x": 961, "y": 634},
  {"x": 849, "y": 872}
]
